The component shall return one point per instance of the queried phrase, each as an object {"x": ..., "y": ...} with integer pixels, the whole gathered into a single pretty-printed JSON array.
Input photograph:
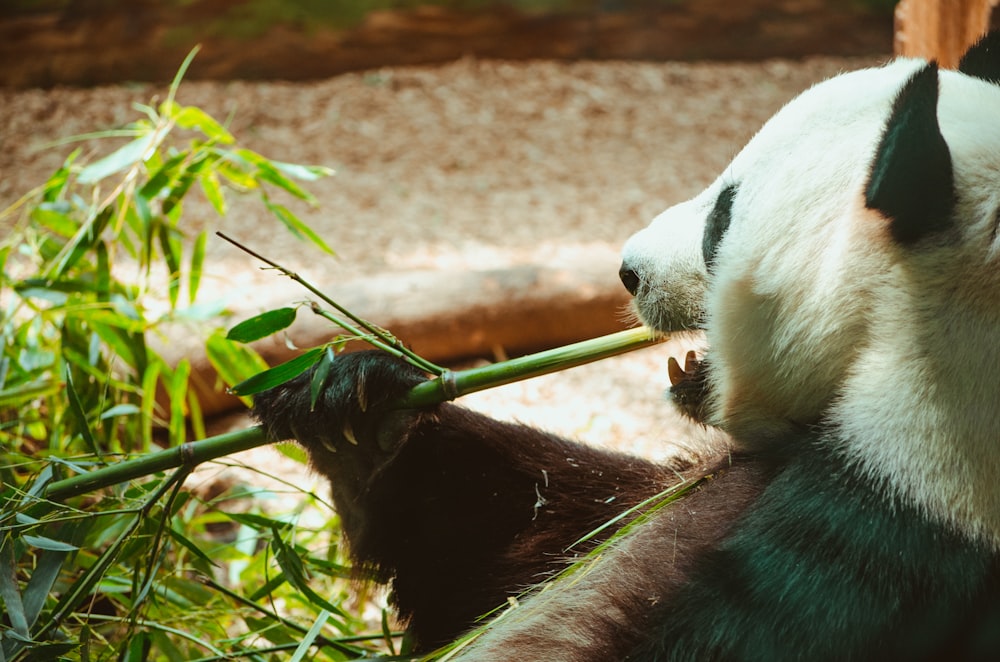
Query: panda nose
[{"x": 630, "y": 279}]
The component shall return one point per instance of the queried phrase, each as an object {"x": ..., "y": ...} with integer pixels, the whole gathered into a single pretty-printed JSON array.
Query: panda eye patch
[{"x": 717, "y": 224}]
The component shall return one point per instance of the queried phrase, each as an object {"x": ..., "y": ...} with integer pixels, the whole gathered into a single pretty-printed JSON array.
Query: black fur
[
  {"x": 717, "y": 224},
  {"x": 788, "y": 554},
  {"x": 983, "y": 59},
  {"x": 459, "y": 511},
  {"x": 825, "y": 566},
  {"x": 911, "y": 179}
]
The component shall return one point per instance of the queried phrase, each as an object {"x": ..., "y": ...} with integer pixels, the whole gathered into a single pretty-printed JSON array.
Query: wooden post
[{"x": 940, "y": 29}]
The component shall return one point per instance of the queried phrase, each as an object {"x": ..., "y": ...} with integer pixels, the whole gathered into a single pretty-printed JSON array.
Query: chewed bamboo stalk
[{"x": 448, "y": 386}]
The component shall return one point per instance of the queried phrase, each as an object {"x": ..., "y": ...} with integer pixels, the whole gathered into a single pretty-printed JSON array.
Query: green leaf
[
  {"x": 191, "y": 117},
  {"x": 279, "y": 374},
  {"x": 76, "y": 407},
  {"x": 320, "y": 375},
  {"x": 291, "y": 564},
  {"x": 297, "y": 227},
  {"x": 197, "y": 262},
  {"x": 162, "y": 177},
  {"x": 234, "y": 362},
  {"x": 304, "y": 172},
  {"x": 118, "y": 160},
  {"x": 41, "y": 542},
  {"x": 148, "y": 403},
  {"x": 206, "y": 561},
  {"x": 171, "y": 247},
  {"x": 262, "y": 325},
  {"x": 9, "y": 591},
  {"x": 178, "y": 395},
  {"x": 309, "y": 639},
  {"x": 267, "y": 172},
  {"x": 124, "y": 409},
  {"x": 21, "y": 394},
  {"x": 209, "y": 181}
]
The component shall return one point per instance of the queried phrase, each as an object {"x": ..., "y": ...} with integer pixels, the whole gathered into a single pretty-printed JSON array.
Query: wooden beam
[{"x": 940, "y": 29}]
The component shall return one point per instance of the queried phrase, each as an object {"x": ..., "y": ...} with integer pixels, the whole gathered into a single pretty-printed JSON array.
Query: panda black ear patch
[
  {"x": 982, "y": 60},
  {"x": 911, "y": 181},
  {"x": 717, "y": 225}
]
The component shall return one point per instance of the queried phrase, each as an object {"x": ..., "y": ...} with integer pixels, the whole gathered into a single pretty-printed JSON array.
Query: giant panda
[{"x": 845, "y": 269}]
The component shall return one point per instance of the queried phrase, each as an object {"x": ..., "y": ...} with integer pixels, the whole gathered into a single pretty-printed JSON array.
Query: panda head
[{"x": 863, "y": 214}]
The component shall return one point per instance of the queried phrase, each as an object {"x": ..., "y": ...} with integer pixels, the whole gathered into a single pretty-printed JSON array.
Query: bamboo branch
[{"x": 448, "y": 386}]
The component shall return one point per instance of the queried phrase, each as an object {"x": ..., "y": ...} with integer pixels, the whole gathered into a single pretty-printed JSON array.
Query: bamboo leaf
[
  {"x": 320, "y": 375},
  {"x": 9, "y": 591},
  {"x": 234, "y": 362},
  {"x": 279, "y": 374},
  {"x": 291, "y": 565},
  {"x": 171, "y": 248},
  {"x": 296, "y": 226},
  {"x": 81, "y": 416},
  {"x": 261, "y": 326},
  {"x": 118, "y": 160},
  {"x": 197, "y": 262},
  {"x": 267, "y": 172},
  {"x": 148, "y": 404},
  {"x": 178, "y": 398},
  {"x": 192, "y": 117},
  {"x": 161, "y": 178},
  {"x": 206, "y": 561},
  {"x": 210, "y": 185},
  {"x": 304, "y": 172},
  {"x": 310, "y": 637},
  {"x": 41, "y": 542}
]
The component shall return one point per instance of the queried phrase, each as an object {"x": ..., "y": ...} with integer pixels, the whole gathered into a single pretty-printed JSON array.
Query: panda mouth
[{"x": 689, "y": 386}]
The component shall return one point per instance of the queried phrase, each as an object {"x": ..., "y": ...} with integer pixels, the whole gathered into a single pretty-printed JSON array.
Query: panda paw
[
  {"x": 689, "y": 386},
  {"x": 353, "y": 409}
]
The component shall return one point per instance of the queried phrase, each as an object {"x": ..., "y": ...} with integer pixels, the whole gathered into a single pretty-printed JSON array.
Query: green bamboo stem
[
  {"x": 440, "y": 389},
  {"x": 454, "y": 384},
  {"x": 190, "y": 454}
]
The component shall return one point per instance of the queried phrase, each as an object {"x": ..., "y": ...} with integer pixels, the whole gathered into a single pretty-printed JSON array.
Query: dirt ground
[{"x": 471, "y": 165}]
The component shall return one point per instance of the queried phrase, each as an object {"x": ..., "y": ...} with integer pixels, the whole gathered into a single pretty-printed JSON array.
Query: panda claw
[
  {"x": 675, "y": 372},
  {"x": 690, "y": 362},
  {"x": 349, "y": 434}
]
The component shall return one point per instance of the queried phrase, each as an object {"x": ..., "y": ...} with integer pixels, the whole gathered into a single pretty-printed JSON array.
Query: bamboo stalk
[
  {"x": 448, "y": 386},
  {"x": 190, "y": 454},
  {"x": 454, "y": 384}
]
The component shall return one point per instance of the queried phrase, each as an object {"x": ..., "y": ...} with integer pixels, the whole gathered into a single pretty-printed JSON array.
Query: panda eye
[{"x": 717, "y": 224}]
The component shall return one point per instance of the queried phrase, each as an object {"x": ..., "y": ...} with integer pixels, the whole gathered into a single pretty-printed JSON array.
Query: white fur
[{"x": 815, "y": 316}]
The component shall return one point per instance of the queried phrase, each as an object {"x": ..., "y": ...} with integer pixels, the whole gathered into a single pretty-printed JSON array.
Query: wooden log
[{"x": 940, "y": 29}]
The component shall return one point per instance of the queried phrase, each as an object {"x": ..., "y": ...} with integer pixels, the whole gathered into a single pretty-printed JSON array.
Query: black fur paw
[
  {"x": 353, "y": 409},
  {"x": 689, "y": 387}
]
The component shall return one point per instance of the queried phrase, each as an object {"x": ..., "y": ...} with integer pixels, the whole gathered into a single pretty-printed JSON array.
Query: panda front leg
[{"x": 457, "y": 510}]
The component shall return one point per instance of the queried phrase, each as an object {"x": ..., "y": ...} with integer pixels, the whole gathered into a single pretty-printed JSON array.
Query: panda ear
[
  {"x": 982, "y": 60},
  {"x": 911, "y": 181}
]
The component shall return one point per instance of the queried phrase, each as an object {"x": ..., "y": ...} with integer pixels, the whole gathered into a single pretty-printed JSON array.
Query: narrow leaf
[
  {"x": 320, "y": 376},
  {"x": 116, "y": 161},
  {"x": 81, "y": 416},
  {"x": 262, "y": 325},
  {"x": 278, "y": 374},
  {"x": 304, "y": 172},
  {"x": 291, "y": 564},
  {"x": 178, "y": 398},
  {"x": 9, "y": 590},
  {"x": 197, "y": 262},
  {"x": 41, "y": 542},
  {"x": 209, "y": 181},
  {"x": 297, "y": 227},
  {"x": 307, "y": 641},
  {"x": 192, "y": 117}
]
